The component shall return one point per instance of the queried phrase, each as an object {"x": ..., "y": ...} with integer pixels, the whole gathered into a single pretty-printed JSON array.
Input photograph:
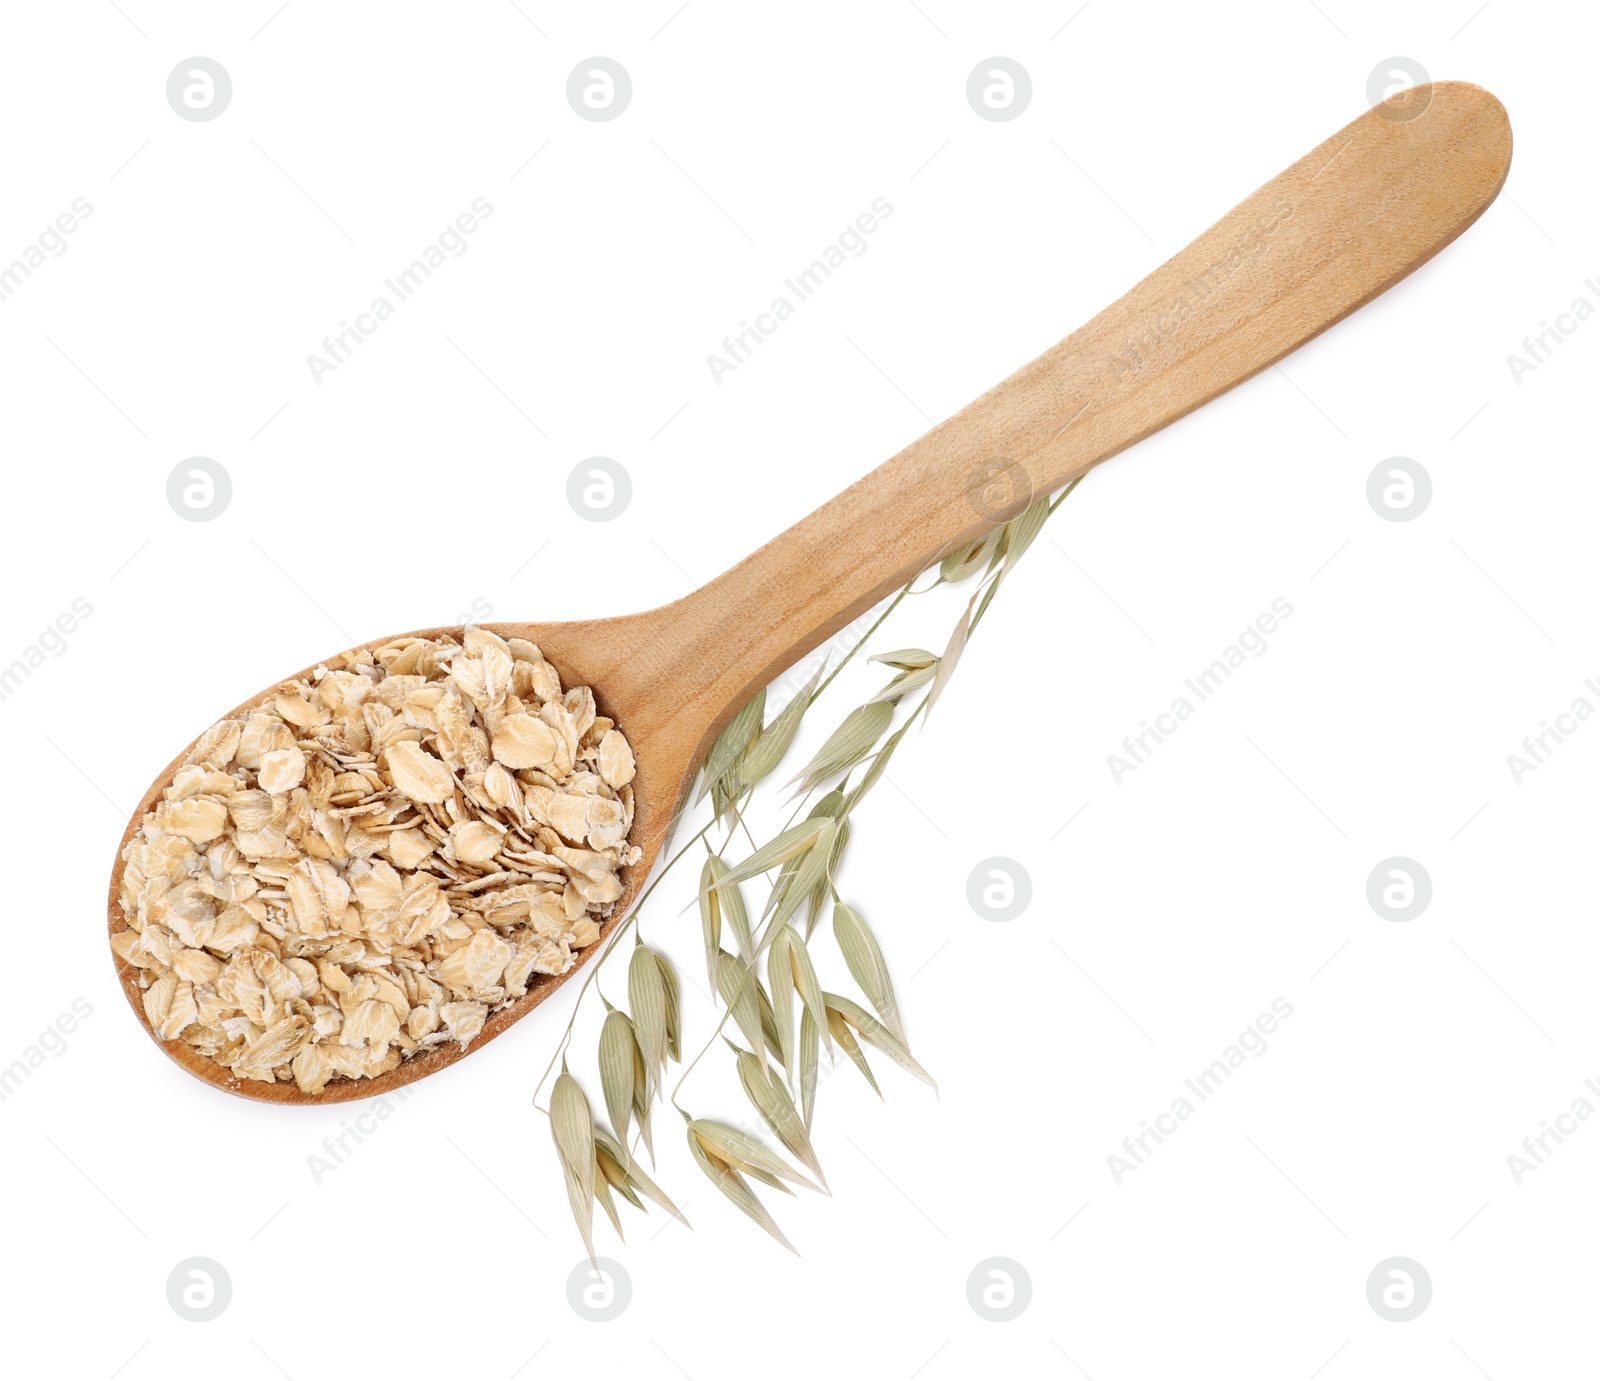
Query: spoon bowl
[{"x": 1354, "y": 216}]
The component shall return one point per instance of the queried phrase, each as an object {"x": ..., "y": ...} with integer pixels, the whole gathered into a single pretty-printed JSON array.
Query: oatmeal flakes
[{"x": 376, "y": 859}]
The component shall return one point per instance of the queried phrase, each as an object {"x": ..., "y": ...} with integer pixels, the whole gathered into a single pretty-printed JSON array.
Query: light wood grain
[{"x": 1350, "y": 219}]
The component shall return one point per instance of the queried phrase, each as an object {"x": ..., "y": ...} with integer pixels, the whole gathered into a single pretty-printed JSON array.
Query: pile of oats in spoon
[{"x": 376, "y": 858}]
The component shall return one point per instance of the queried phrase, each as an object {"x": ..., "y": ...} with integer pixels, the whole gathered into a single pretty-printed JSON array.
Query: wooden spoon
[{"x": 1351, "y": 218}]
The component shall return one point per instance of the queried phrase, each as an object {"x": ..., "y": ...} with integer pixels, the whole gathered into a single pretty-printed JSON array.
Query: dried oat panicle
[
  {"x": 573, "y": 1130},
  {"x": 647, "y": 997},
  {"x": 593, "y": 1163},
  {"x": 847, "y": 1020},
  {"x": 620, "y": 1061},
  {"x": 790, "y": 974},
  {"x": 848, "y": 744},
  {"x": 634, "y": 1050},
  {"x": 866, "y": 963},
  {"x": 771, "y": 979},
  {"x": 627, "y": 1178},
  {"x": 906, "y": 658},
  {"x": 727, "y": 1155},
  {"x": 722, "y": 762},
  {"x": 770, "y": 746},
  {"x": 771, "y": 1100},
  {"x": 797, "y": 839},
  {"x": 741, "y": 992}
]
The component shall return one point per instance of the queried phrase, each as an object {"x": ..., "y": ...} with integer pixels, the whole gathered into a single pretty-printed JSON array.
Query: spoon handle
[{"x": 1350, "y": 219}]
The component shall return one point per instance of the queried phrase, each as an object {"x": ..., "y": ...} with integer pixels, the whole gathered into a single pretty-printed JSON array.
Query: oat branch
[{"x": 800, "y": 866}]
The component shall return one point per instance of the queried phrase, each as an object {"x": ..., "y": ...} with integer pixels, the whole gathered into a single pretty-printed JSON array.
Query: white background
[{"x": 1228, "y": 871}]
